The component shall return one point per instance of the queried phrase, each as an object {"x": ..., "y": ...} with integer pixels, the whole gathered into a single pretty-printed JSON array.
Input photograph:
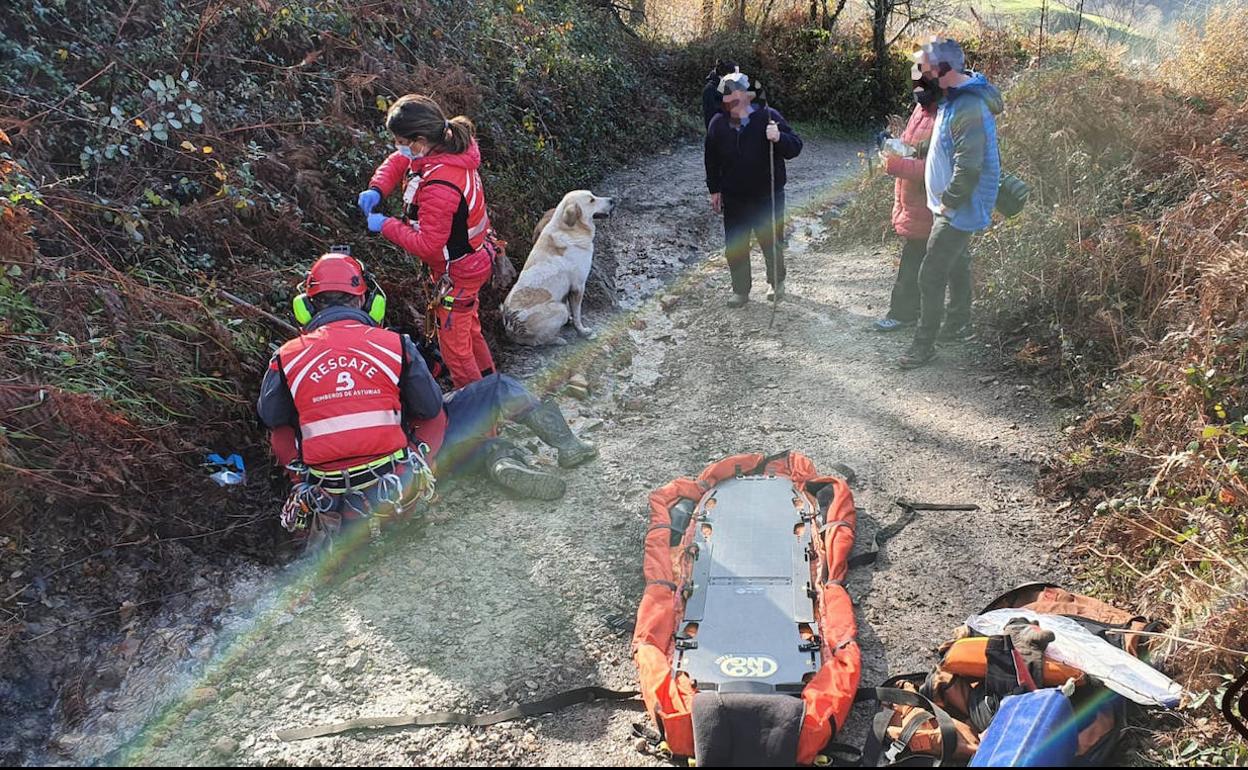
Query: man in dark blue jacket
[{"x": 739, "y": 147}]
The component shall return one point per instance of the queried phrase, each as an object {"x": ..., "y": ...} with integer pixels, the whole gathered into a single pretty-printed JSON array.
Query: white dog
[{"x": 551, "y": 286}]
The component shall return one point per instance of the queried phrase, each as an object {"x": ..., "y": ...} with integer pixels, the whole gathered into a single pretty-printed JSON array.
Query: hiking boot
[
  {"x": 738, "y": 300},
  {"x": 777, "y": 292},
  {"x": 512, "y": 473},
  {"x": 918, "y": 354},
  {"x": 960, "y": 333},
  {"x": 550, "y": 426}
]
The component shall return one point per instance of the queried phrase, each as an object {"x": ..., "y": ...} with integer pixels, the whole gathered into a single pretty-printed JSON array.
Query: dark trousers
[
  {"x": 746, "y": 219},
  {"x": 958, "y": 311},
  {"x": 904, "y": 305},
  {"x": 473, "y": 414},
  {"x": 947, "y": 264}
]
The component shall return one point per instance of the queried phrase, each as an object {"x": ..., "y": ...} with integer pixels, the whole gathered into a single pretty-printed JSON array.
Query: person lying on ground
[
  {"x": 740, "y": 164},
  {"x": 362, "y": 425}
]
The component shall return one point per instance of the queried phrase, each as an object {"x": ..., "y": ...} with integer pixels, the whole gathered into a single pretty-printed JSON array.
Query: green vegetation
[
  {"x": 1059, "y": 18},
  {"x": 180, "y": 146}
]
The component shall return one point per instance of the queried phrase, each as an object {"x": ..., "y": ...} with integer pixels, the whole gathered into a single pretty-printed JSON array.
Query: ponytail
[{"x": 459, "y": 134}]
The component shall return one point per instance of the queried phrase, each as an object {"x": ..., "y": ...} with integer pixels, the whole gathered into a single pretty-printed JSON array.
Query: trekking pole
[{"x": 776, "y": 245}]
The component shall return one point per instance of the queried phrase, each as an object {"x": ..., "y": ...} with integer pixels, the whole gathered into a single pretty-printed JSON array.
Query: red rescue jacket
[
  {"x": 446, "y": 219},
  {"x": 344, "y": 380}
]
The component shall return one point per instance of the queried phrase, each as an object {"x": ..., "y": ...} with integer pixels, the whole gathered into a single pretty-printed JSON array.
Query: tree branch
[
  {"x": 614, "y": 8},
  {"x": 830, "y": 22}
]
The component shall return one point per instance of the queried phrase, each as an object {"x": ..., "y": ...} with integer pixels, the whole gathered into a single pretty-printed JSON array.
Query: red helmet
[{"x": 336, "y": 272}]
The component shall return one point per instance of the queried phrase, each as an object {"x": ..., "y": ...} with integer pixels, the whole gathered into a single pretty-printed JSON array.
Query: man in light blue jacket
[{"x": 962, "y": 175}]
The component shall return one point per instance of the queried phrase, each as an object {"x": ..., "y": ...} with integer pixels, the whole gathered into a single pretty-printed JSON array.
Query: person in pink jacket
[
  {"x": 912, "y": 219},
  {"x": 444, "y": 223}
]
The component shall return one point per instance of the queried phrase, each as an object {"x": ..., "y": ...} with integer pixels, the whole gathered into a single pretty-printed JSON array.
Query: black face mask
[{"x": 925, "y": 95}]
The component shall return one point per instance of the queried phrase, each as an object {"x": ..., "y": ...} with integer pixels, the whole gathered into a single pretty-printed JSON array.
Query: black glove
[{"x": 432, "y": 354}]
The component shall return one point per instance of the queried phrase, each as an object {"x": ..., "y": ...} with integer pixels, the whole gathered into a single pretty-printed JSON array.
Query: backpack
[
  {"x": 938, "y": 718},
  {"x": 1012, "y": 195}
]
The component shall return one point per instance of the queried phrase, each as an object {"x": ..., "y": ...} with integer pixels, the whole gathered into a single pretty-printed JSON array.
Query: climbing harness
[{"x": 318, "y": 496}]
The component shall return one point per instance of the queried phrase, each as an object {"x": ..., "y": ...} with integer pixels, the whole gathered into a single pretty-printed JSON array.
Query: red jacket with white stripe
[
  {"x": 345, "y": 392},
  {"x": 445, "y": 212}
]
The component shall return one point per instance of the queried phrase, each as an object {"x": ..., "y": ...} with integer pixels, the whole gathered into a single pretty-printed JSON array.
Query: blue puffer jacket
[{"x": 963, "y": 168}]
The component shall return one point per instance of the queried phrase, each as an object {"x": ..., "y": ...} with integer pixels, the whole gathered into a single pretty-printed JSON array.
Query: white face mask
[{"x": 409, "y": 150}]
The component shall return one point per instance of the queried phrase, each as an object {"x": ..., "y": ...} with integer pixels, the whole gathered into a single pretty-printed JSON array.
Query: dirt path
[{"x": 501, "y": 601}]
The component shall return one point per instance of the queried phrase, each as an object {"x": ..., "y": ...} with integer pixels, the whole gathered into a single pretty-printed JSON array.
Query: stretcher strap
[
  {"x": 545, "y": 706},
  {"x": 882, "y": 536},
  {"x": 909, "y": 510},
  {"x": 768, "y": 460},
  {"x": 881, "y": 751}
]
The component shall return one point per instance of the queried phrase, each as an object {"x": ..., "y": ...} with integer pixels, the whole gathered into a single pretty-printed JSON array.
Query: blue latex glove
[
  {"x": 368, "y": 200},
  {"x": 375, "y": 222}
]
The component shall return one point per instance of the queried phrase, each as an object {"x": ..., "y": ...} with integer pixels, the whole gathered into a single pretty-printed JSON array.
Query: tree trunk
[
  {"x": 762, "y": 20},
  {"x": 708, "y": 16},
  {"x": 814, "y": 10},
  {"x": 1044, "y": 12},
  {"x": 880, "y": 11},
  {"x": 1078, "y": 26},
  {"x": 738, "y": 16},
  {"x": 829, "y": 22},
  {"x": 637, "y": 13}
]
